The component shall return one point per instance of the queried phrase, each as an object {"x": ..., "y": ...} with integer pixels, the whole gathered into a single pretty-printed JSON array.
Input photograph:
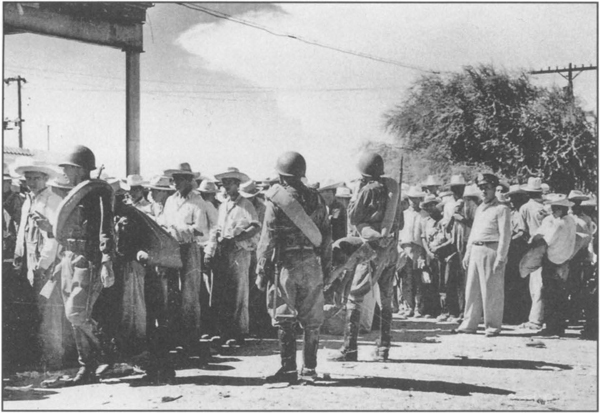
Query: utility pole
[
  {"x": 569, "y": 70},
  {"x": 19, "y": 121}
]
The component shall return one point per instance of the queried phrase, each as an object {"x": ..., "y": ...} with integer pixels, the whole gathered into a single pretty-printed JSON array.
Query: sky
[{"x": 216, "y": 93}]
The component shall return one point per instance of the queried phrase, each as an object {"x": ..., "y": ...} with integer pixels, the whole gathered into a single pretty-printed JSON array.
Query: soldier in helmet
[
  {"x": 84, "y": 228},
  {"x": 376, "y": 216},
  {"x": 295, "y": 231}
]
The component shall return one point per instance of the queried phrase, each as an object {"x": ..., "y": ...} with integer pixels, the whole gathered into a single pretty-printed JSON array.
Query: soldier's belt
[{"x": 480, "y": 243}]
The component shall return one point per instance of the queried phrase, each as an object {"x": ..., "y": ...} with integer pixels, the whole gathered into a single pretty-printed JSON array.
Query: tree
[{"x": 483, "y": 119}]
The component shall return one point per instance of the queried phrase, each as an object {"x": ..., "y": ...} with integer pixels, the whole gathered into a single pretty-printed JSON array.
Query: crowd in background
[{"x": 208, "y": 298}]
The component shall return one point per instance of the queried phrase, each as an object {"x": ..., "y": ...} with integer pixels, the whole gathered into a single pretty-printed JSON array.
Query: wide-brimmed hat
[
  {"x": 515, "y": 190},
  {"x": 208, "y": 187},
  {"x": 60, "y": 181},
  {"x": 430, "y": 199},
  {"x": 432, "y": 180},
  {"x": 534, "y": 184},
  {"x": 34, "y": 165},
  {"x": 456, "y": 180},
  {"x": 249, "y": 189},
  {"x": 233, "y": 173},
  {"x": 343, "y": 192},
  {"x": 562, "y": 202},
  {"x": 160, "y": 182},
  {"x": 472, "y": 190},
  {"x": 184, "y": 168},
  {"x": 329, "y": 184},
  {"x": 415, "y": 192},
  {"x": 576, "y": 195},
  {"x": 549, "y": 198},
  {"x": 136, "y": 180},
  {"x": 503, "y": 185},
  {"x": 487, "y": 179}
]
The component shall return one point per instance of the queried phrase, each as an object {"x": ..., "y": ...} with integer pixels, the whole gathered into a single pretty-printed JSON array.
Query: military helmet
[
  {"x": 291, "y": 164},
  {"x": 370, "y": 164},
  {"x": 80, "y": 156}
]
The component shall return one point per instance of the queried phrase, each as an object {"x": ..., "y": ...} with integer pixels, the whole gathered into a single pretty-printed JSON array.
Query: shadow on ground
[
  {"x": 34, "y": 394},
  {"x": 454, "y": 389},
  {"x": 493, "y": 364}
]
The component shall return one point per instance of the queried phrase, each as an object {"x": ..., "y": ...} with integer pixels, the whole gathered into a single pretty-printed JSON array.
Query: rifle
[
  {"x": 100, "y": 171},
  {"x": 397, "y": 232}
]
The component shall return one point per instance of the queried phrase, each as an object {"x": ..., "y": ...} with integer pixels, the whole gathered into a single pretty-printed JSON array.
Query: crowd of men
[{"x": 129, "y": 269}]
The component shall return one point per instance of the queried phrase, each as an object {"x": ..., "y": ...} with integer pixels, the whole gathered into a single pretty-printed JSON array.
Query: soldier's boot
[
  {"x": 287, "y": 349},
  {"x": 349, "y": 350},
  {"x": 309, "y": 355},
  {"x": 382, "y": 351}
]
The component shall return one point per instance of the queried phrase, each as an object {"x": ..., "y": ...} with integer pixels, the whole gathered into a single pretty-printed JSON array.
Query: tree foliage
[{"x": 484, "y": 119}]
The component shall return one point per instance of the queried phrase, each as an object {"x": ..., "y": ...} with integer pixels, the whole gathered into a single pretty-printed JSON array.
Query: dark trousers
[
  {"x": 455, "y": 286},
  {"x": 555, "y": 296}
]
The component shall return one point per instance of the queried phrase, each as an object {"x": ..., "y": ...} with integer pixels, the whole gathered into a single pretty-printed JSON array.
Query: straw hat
[
  {"x": 233, "y": 173},
  {"x": 208, "y": 187},
  {"x": 472, "y": 190},
  {"x": 576, "y": 195},
  {"x": 415, "y": 192},
  {"x": 249, "y": 189},
  {"x": 60, "y": 181},
  {"x": 456, "y": 180},
  {"x": 533, "y": 185},
  {"x": 136, "y": 180},
  {"x": 343, "y": 192},
  {"x": 160, "y": 182},
  {"x": 35, "y": 165},
  {"x": 183, "y": 168},
  {"x": 432, "y": 180},
  {"x": 562, "y": 202}
]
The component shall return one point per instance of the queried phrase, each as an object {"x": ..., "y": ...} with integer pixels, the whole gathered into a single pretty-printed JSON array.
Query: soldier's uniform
[
  {"x": 87, "y": 239},
  {"x": 298, "y": 293},
  {"x": 366, "y": 213}
]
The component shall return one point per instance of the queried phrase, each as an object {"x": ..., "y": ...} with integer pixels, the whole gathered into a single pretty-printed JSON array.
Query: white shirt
[
  {"x": 413, "y": 225},
  {"x": 559, "y": 234},
  {"x": 492, "y": 223},
  {"x": 186, "y": 218},
  {"x": 46, "y": 203}
]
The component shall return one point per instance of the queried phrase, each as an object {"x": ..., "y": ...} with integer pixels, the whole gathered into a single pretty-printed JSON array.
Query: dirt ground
[{"x": 429, "y": 369}]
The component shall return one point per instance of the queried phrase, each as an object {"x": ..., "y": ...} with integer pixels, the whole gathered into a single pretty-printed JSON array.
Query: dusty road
[{"x": 429, "y": 369}]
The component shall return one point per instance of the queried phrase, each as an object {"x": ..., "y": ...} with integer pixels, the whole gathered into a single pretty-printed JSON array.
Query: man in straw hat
[
  {"x": 533, "y": 214},
  {"x": 232, "y": 244},
  {"x": 581, "y": 258},
  {"x": 295, "y": 231},
  {"x": 412, "y": 244},
  {"x": 160, "y": 189},
  {"x": 84, "y": 228},
  {"x": 186, "y": 218},
  {"x": 516, "y": 300},
  {"x": 376, "y": 215},
  {"x": 431, "y": 185},
  {"x": 38, "y": 251},
  {"x": 208, "y": 190},
  {"x": 260, "y": 321},
  {"x": 136, "y": 184},
  {"x": 338, "y": 216},
  {"x": 485, "y": 261},
  {"x": 558, "y": 234}
]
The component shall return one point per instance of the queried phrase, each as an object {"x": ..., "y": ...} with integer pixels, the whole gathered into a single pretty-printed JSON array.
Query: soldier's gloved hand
[
  {"x": 142, "y": 257},
  {"x": 261, "y": 281},
  {"x": 107, "y": 275}
]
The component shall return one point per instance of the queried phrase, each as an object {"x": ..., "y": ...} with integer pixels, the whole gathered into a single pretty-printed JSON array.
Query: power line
[{"x": 303, "y": 39}]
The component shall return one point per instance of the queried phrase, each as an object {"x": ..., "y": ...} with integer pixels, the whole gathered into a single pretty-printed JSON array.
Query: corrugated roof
[{"x": 8, "y": 150}]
